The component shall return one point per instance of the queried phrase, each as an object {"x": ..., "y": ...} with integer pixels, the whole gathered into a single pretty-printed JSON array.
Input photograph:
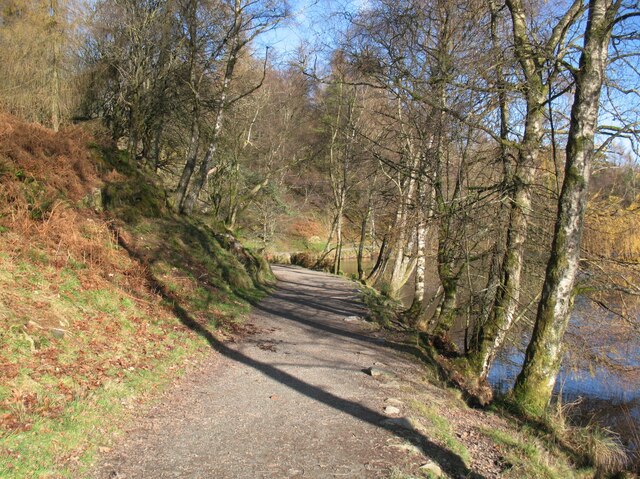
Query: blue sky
[{"x": 315, "y": 23}]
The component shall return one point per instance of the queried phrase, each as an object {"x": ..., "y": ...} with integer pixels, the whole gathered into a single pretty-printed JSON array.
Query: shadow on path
[{"x": 450, "y": 462}]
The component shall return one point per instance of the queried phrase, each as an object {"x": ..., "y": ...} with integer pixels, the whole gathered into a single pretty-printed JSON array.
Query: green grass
[
  {"x": 441, "y": 430},
  {"x": 67, "y": 445},
  {"x": 525, "y": 457}
]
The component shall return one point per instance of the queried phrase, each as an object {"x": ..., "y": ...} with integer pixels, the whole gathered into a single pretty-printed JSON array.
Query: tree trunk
[
  {"x": 190, "y": 198},
  {"x": 534, "y": 385},
  {"x": 55, "y": 67},
  {"x": 425, "y": 214},
  {"x": 492, "y": 334},
  {"x": 382, "y": 253},
  {"x": 421, "y": 266},
  {"x": 446, "y": 313},
  {"x": 192, "y": 194},
  {"x": 363, "y": 236},
  {"x": 192, "y": 158},
  {"x": 194, "y": 84},
  {"x": 400, "y": 272},
  {"x": 497, "y": 254},
  {"x": 338, "y": 258}
]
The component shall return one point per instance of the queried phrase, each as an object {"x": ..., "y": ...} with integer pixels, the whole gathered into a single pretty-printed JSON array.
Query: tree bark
[
  {"x": 492, "y": 334},
  {"x": 363, "y": 234},
  {"x": 192, "y": 158},
  {"x": 380, "y": 260},
  {"x": 497, "y": 254},
  {"x": 55, "y": 67},
  {"x": 188, "y": 202},
  {"x": 207, "y": 166},
  {"x": 535, "y": 383}
]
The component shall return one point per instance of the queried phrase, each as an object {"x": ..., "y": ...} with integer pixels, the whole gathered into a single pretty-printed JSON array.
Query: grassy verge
[
  {"x": 552, "y": 448},
  {"x": 104, "y": 298},
  {"x": 383, "y": 309},
  {"x": 526, "y": 457},
  {"x": 440, "y": 429}
]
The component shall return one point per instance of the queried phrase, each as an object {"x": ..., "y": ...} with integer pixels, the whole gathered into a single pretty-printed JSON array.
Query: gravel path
[{"x": 289, "y": 401}]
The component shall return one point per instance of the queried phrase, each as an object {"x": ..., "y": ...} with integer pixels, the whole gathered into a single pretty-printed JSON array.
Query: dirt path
[{"x": 290, "y": 401}]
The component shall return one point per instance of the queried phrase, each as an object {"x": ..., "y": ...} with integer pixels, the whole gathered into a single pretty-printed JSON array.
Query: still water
[{"x": 608, "y": 395}]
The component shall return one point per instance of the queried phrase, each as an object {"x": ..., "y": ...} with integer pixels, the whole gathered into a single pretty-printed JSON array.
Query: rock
[
  {"x": 379, "y": 373},
  {"x": 391, "y": 410},
  {"x": 94, "y": 200},
  {"x": 431, "y": 469},
  {"x": 122, "y": 143},
  {"x": 352, "y": 319},
  {"x": 57, "y": 333}
]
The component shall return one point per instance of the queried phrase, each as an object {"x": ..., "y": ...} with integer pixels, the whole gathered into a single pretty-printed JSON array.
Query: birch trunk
[
  {"x": 363, "y": 235},
  {"x": 492, "y": 334},
  {"x": 425, "y": 214},
  {"x": 190, "y": 198},
  {"x": 55, "y": 67},
  {"x": 191, "y": 160},
  {"x": 535, "y": 383},
  {"x": 402, "y": 263}
]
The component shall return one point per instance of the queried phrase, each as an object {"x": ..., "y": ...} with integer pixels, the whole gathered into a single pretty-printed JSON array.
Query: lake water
[{"x": 609, "y": 395}]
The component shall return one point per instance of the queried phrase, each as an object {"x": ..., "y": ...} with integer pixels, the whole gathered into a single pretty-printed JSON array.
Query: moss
[
  {"x": 132, "y": 199},
  {"x": 382, "y": 309}
]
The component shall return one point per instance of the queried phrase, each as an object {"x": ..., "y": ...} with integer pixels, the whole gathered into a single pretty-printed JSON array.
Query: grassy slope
[{"x": 89, "y": 298}]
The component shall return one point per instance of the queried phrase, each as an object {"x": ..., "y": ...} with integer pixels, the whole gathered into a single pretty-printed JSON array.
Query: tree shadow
[
  {"x": 450, "y": 462},
  {"x": 398, "y": 346}
]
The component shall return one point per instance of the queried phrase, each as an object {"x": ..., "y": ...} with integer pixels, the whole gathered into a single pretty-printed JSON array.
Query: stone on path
[
  {"x": 431, "y": 469},
  {"x": 391, "y": 410},
  {"x": 379, "y": 373},
  {"x": 407, "y": 447},
  {"x": 352, "y": 319}
]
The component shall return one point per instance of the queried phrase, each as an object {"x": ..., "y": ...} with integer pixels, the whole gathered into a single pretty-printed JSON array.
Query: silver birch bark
[
  {"x": 534, "y": 385},
  {"x": 493, "y": 333}
]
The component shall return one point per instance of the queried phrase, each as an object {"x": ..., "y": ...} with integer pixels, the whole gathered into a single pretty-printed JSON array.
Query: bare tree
[{"x": 535, "y": 383}]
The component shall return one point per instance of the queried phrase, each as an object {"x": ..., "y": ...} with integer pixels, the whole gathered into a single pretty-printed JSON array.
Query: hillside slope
[{"x": 97, "y": 280}]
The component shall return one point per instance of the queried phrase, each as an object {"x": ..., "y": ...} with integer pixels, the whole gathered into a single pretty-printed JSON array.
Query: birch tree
[
  {"x": 533, "y": 56},
  {"x": 248, "y": 19},
  {"x": 535, "y": 383}
]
